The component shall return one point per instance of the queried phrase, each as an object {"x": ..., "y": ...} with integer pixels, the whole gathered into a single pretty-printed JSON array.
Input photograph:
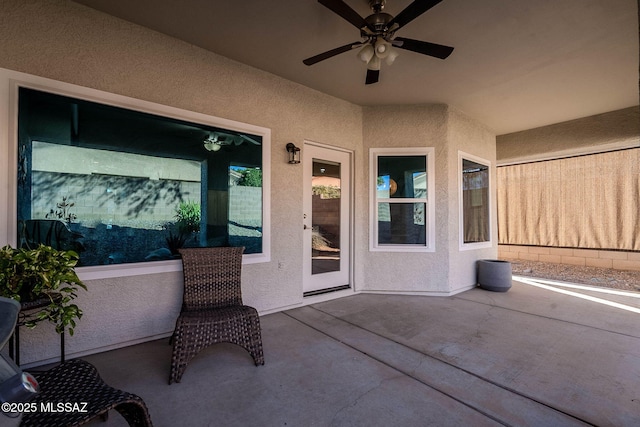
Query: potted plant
[
  {"x": 43, "y": 274},
  {"x": 188, "y": 225}
]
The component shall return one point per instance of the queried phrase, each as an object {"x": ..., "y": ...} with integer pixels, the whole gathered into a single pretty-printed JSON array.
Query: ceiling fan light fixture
[
  {"x": 212, "y": 144},
  {"x": 383, "y": 48},
  {"x": 374, "y": 63},
  {"x": 366, "y": 53},
  {"x": 391, "y": 56}
]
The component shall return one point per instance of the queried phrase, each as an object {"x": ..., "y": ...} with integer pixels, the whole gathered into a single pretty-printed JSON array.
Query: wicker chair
[
  {"x": 212, "y": 309},
  {"x": 78, "y": 382}
]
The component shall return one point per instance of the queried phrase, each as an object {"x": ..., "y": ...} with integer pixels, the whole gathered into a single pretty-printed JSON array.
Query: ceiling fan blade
[
  {"x": 330, "y": 53},
  {"x": 411, "y": 12},
  {"x": 372, "y": 77},
  {"x": 344, "y": 10},
  {"x": 425, "y": 48}
]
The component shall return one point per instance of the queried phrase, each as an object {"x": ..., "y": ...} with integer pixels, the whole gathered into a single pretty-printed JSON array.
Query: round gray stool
[{"x": 494, "y": 275}]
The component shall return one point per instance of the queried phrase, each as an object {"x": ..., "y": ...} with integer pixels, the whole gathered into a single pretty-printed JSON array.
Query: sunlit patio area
[{"x": 541, "y": 354}]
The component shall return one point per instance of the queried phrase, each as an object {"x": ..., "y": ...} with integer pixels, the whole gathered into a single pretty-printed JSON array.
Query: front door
[{"x": 327, "y": 196}]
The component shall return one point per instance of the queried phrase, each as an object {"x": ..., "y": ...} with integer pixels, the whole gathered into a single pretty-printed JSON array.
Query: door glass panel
[{"x": 325, "y": 236}]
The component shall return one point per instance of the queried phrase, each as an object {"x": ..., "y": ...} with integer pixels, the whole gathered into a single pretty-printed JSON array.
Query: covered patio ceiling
[{"x": 517, "y": 64}]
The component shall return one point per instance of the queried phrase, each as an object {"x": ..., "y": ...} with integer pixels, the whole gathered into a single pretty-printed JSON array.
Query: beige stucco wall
[
  {"x": 67, "y": 42},
  {"x": 71, "y": 43},
  {"x": 404, "y": 126},
  {"x": 448, "y": 131},
  {"x": 608, "y": 131},
  {"x": 472, "y": 138}
]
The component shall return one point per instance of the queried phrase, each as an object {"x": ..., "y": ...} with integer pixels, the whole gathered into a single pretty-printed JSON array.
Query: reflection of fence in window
[
  {"x": 245, "y": 217},
  {"x": 129, "y": 222},
  {"x": 111, "y": 199},
  {"x": 122, "y": 214},
  {"x": 111, "y": 187},
  {"x": 126, "y": 173},
  {"x": 245, "y": 208}
]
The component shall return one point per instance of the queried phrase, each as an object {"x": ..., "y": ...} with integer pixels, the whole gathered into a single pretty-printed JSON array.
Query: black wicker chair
[
  {"x": 76, "y": 383},
  {"x": 212, "y": 309}
]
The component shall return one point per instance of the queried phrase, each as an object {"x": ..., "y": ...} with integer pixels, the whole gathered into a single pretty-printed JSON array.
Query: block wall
[{"x": 619, "y": 260}]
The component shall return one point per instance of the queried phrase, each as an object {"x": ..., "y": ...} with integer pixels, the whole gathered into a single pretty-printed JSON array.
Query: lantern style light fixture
[{"x": 294, "y": 153}]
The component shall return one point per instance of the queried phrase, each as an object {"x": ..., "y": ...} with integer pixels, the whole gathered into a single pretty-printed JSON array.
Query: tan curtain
[
  {"x": 475, "y": 203},
  {"x": 580, "y": 202}
]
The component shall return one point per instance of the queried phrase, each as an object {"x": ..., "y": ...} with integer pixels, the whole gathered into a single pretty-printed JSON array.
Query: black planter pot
[{"x": 494, "y": 275}]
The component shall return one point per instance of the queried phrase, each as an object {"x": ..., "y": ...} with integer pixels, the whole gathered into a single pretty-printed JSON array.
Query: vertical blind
[{"x": 590, "y": 201}]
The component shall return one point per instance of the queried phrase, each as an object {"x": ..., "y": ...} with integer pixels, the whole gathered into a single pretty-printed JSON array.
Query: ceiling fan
[
  {"x": 378, "y": 32},
  {"x": 217, "y": 139}
]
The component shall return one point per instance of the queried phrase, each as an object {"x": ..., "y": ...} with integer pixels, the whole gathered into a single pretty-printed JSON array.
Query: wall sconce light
[{"x": 294, "y": 153}]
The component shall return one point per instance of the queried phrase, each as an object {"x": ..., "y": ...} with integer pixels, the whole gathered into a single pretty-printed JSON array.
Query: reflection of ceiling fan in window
[
  {"x": 378, "y": 32},
  {"x": 217, "y": 139}
]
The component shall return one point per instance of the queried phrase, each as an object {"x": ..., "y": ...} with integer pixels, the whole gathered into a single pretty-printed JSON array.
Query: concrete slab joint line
[{"x": 467, "y": 388}]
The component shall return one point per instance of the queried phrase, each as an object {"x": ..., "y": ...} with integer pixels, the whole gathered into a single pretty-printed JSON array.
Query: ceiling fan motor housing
[{"x": 379, "y": 22}]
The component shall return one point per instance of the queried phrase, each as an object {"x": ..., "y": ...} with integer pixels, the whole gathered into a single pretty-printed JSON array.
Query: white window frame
[
  {"x": 475, "y": 245},
  {"x": 430, "y": 214},
  {"x": 9, "y": 115}
]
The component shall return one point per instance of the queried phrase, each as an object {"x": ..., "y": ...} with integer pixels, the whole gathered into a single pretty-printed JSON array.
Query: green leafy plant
[
  {"x": 187, "y": 223},
  {"x": 188, "y": 217},
  {"x": 251, "y": 178},
  {"x": 43, "y": 273}
]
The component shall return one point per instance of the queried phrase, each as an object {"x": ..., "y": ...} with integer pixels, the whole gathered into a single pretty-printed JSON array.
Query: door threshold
[{"x": 326, "y": 291}]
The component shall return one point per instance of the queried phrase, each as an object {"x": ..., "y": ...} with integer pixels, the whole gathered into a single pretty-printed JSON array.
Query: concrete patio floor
[{"x": 527, "y": 357}]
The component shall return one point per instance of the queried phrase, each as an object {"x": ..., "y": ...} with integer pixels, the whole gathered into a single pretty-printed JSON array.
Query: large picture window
[
  {"x": 474, "y": 184},
  {"x": 122, "y": 186},
  {"x": 402, "y": 194}
]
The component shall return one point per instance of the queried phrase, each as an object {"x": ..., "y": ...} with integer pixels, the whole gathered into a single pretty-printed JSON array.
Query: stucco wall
[
  {"x": 448, "y": 131},
  {"x": 399, "y": 127},
  {"x": 613, "y": 130},
  {"x": 71, "y": 43},
  {"x": 472, "y": 138},
  {"x": 67, "y": 42}
]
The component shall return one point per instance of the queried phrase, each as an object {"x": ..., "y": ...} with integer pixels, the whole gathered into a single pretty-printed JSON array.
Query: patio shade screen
[{"x": 588, "y": 201}]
